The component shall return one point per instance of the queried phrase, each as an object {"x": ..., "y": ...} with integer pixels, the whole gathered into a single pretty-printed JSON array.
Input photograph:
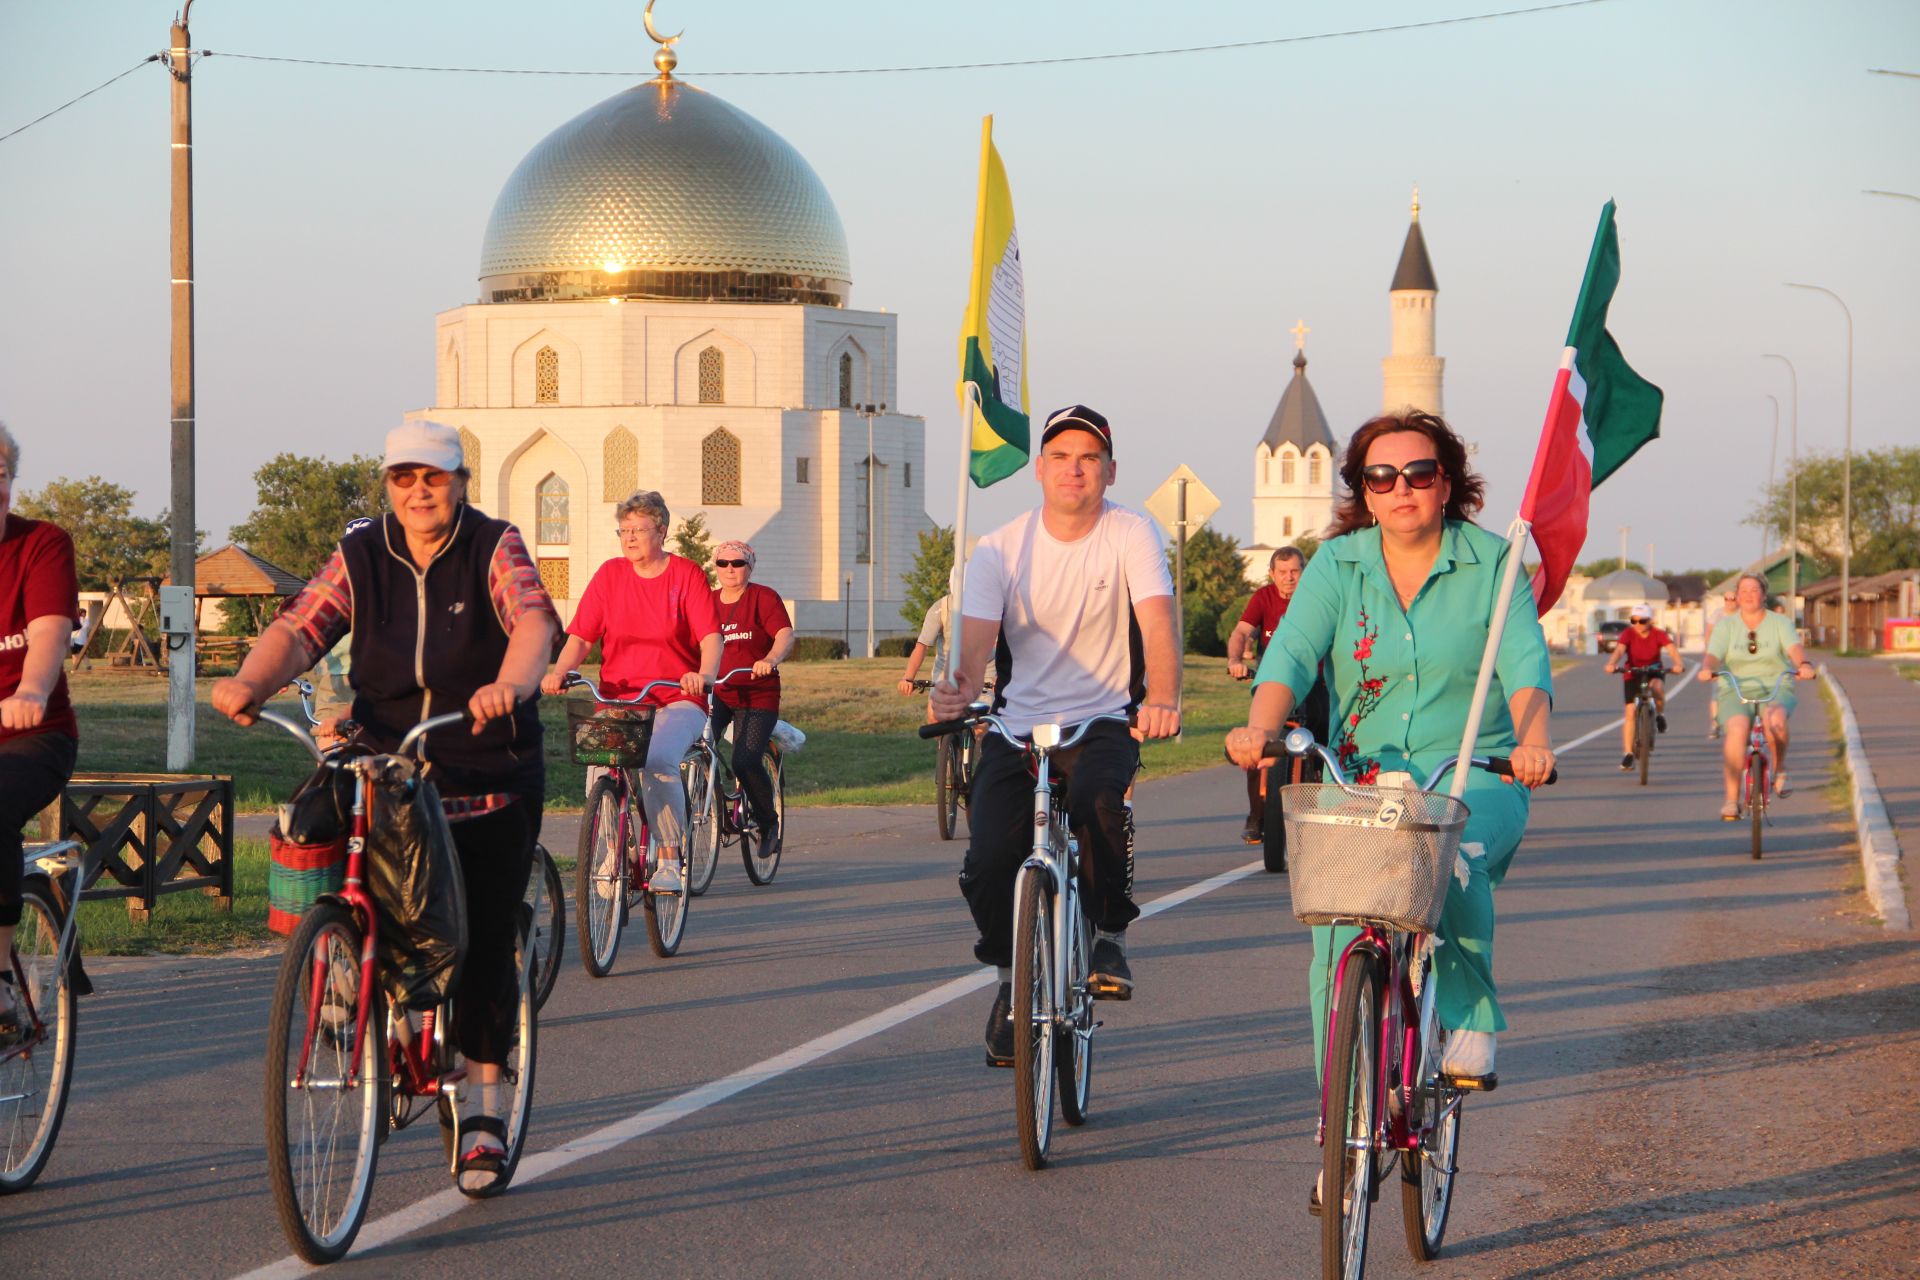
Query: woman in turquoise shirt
[
  {"x": 1757, "y": 647},
  {"x": 1400, "y": 599}
]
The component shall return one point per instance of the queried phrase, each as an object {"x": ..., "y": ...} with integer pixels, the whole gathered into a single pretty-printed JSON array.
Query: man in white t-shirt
[{"x": 1074, "y": 603}]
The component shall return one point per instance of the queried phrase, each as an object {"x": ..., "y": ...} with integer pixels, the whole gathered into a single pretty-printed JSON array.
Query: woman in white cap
[
  {"x": 1642, "y": 645},
  {"x": 755, "y": 631},
  {"x": 443, "y": 608}
]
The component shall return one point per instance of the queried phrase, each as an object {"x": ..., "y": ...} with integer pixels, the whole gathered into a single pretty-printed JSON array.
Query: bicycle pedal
[{"x": 1474, "y": 1084}]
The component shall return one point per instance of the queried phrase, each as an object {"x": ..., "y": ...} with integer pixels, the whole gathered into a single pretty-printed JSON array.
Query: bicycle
[
  {"x": 954, "y": 760},
  {"x": 1052, "y": 947},
  {"x": 617, "y": 859},
  {"x": 343, "y": 1068},
  {"x": 1644, "y": 712},
  {"x": 36, "y": 1070},
  {"x": 1273, "y": 827},
  {"x": 1380, "y": 858},
  {"x": 719, "y": 815},
  {"x": 1759, "y": 762},
  {"x": 546, "y": 922}
]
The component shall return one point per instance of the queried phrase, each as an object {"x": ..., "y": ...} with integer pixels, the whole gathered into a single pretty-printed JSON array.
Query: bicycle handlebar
[
  {"x": 1724, "y": 674},
  {"x": 413, "y": 735},
  {"x": 1300, "y": 742},
  {"x": 941, "y": 728},
  {"x": 575, "y": 680}
]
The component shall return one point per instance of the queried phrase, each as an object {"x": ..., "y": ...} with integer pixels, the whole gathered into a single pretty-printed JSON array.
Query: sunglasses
[
  {"x": 406, "y": 479},
  {"x": 1381, "y": 477},
  {"x": 730, "y": 564},
  {"x": 1643, "y": 622},
  {"x": 1753, "y": 643}
]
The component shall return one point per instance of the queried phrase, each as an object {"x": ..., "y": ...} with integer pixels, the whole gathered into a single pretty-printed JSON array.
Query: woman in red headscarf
[{"x": 756, "y": 632}]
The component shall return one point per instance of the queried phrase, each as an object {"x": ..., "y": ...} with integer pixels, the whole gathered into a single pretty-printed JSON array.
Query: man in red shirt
[
  {"x": 1642, "y": 645},
  {"x": 1262, "y": 615}
]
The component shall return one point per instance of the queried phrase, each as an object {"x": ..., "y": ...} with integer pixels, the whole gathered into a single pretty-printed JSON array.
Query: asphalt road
[{"x": 1710, "y": 1071}]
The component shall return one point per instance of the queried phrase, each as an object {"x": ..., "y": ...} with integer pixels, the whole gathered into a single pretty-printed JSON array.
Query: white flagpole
[
  {"x": 1516, "y": 540},
  {"x": 969, "y": 398}
]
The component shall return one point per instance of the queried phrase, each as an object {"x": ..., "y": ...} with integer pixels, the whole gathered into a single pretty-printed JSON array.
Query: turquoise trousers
[{"x": 1463, "y": 968}]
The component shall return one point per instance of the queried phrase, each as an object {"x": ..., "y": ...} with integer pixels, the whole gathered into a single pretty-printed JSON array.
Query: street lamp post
[
  {"x": 1773, "y": 451},
  {"x": 869, "y": 412},
  {"x": 1793, "y": 485},
  {"x": 1846, "y": 481}
]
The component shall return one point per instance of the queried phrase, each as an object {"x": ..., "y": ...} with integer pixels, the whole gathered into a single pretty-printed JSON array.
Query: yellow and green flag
[{"x": 993, "y": 341}]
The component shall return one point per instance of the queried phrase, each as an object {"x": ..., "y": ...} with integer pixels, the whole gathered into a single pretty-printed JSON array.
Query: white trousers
[{"x": 674, "y": 729}]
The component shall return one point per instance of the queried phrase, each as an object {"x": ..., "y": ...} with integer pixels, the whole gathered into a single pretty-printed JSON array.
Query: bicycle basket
[
  {"x": 1380, "y": 854},
  {"x": 614, "y": 736}
]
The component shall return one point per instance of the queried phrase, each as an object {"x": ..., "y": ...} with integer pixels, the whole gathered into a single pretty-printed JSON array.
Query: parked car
[{"x": 1609, "y": 634}]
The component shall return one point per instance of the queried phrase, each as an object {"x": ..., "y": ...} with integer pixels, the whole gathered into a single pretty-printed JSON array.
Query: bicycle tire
[
  {"x": 1426, "y": 1172},
  {"x": 37, "y": 1078},
  {"x": 320, "y": 1212},
  {"x": 1757, "y": 799},
  {"x": 600, "y": 880},
  {"x": 946, "y": 783},
  {"x": 665, "y": 913},
  {"x": 1643, "y": 739},
  {"x": 762, "y": 866},
  {"x": 1273, "y": 825},
  {"x": 1352, "y": 1108},
  {"x": 703, "y": 822},
  {"x": 1073, "y": 1043},
  {"x": 1033, "y": 1017},
  {"x": 549, "y": 925}
]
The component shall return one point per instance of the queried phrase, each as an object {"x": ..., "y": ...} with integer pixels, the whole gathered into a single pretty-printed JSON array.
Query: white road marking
[{"x": 1620, "y": 719}]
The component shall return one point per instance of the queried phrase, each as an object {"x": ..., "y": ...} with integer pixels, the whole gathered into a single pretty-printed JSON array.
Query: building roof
[
  {"x": 1298, "y": 419},
  {"x": 665, "y": 191},
  {"x": 1624, "y": 585},
  {"x": 1415, "y": 270},
  {"x": 236, "y": 571},
  {"x": 1872, "y": 588}
]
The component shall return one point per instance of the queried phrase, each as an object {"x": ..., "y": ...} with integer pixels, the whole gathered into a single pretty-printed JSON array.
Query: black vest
[{"x": 423, "y": 642}]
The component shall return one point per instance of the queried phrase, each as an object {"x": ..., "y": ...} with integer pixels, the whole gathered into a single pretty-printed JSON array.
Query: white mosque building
[
  {"x": 663, "y": 305},
  {"x": 1294, "y": 463}
]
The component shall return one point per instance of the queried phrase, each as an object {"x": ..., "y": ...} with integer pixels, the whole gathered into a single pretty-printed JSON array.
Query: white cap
[
  {"x": 424, "y": 444},
  {"x": 1641, "y": 611}
]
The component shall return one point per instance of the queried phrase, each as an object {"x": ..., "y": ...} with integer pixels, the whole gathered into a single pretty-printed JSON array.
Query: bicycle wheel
[
  {"x": 762, "y": 866},
  {"x": 1033, "y": 1036},
  {"x": 1643, "y": 739},
  {"x": 703, "y": 822},
  {"x": 1352, "y": 1105},
  {"x": 1073, "y": 1043},
  {"x": 666, "y": 913},
  {"x": 946, "y": 783},
  {"x": 323, "y": 1134},
  {"x": 1426, "y": 1172},
  {"x": 548, "y": 922},
  {"x": 35, "y": 1073},
  {"x": 1757, "y": 797},
  {"x": 1273, "y": 822},
  {"x": 600, "y": 880}
]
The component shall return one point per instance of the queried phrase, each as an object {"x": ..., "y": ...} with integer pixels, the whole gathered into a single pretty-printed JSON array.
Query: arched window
[
  {"x": 713, "y": 376},
  {"x": 546, "y": 376},
  {"x": 470, "y": 455},
  {"x": 720, "y": 468},
  {"x": 1266, "y": 461},
  {"x": 452, "y": 393},
  {"x": 1286, "y": 469},
  {"x": 619, "y": 465},
  {"x": 1313, "y": 469},
  {"x": 554, "y": 527},
  {"x": 1286, "y": 526},
  {"x": 846, "y": 379}
]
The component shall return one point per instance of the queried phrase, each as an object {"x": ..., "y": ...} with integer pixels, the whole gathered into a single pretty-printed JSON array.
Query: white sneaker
[
  {"x": 666, "y": 879},
  {"x": 1468, "y": 1055}
]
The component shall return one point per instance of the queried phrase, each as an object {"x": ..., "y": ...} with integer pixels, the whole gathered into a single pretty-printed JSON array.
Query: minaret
[
  {"x": 1292, "y": 467},
  {"x": 1410, "y": 377}
]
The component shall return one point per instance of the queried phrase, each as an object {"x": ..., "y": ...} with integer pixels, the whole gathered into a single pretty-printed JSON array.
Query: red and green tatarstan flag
[
  {"x": 993, "y": 338},
  {"x": 1598, "y": 416}
]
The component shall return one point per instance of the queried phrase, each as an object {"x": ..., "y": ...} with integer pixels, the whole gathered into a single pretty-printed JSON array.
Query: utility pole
[
  {"x": 1180, "y": 561},
  {"x": 1793, "y": 487},
  {"x": 873, "y": 521},
  {"x": 1846, "y": 483},
  {"x": 846, "y": 622},
  {"x": 177, "y": 621},
  {"x": 1773, "y": 451},
  {"x": 1623, "y": 546}
]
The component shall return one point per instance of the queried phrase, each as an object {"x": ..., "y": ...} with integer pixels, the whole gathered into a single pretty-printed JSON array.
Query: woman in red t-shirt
[
  {"x": 39, "y": 599},
  {"x": 652, "y": 614},
  {"x": 755, "y": 632}
]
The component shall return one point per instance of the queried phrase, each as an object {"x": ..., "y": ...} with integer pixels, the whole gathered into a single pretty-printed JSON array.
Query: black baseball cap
[{"x": 1077, "y": 417}]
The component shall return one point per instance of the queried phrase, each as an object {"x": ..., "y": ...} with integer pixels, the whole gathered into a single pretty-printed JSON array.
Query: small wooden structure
[
  {"x": 230, "y": 573},
  {"x": 150, "y": 833}
]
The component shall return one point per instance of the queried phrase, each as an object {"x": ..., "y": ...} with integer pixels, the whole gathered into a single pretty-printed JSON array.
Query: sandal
[
  {"x": 1781, "y": 787},
  {"x": 482, "y": 1170},
  {"x": 1730, "y": 811}
]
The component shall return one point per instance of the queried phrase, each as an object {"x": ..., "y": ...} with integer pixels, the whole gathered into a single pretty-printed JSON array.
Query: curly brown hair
[{"x": 1468, "y": 489}]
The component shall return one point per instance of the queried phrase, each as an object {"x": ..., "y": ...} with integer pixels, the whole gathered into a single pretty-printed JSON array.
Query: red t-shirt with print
[
  {"x": 1642, "y": 651},
  {"x": 36, "y": 581},
  {"x": 747, "y": 629},
  {"x": 1264, "y": 611},
  {"x": 648, "y": 628}
]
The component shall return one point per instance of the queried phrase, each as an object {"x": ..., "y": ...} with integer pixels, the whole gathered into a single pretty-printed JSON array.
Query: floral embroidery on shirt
[{"x": 1364, "y": 770}]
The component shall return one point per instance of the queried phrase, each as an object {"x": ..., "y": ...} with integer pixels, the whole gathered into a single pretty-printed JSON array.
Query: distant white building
[
  {"x": 1410, "y": 377},
  {"x": 1293, "y": 467}
]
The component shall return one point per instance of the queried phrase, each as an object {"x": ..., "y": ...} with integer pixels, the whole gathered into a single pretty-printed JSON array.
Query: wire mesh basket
[
  {"x": 617, "y": 737},
  {"x": 1381, "y": 854}
]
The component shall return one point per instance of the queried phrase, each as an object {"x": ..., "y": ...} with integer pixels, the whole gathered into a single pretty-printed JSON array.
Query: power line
[
  {"x": 943, "y": 66},
  {"x": 152, "y": 57}
]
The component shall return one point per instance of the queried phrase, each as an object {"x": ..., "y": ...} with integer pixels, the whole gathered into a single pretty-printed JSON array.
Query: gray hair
[
  {"x": 9, "y": 450},
  {"x": 1286, "y": 553},
  {"x": 1766, "y": 592},
  {"x": 644, "y": 502}
]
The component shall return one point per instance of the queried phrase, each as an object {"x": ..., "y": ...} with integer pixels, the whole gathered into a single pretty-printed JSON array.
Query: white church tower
[
  {"x": 1410, "y": 377},
  {"x": 1293, "y": 469}
]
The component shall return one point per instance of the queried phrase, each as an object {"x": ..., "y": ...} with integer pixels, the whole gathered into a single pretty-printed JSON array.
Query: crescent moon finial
[{"x": 662, "y": 41}]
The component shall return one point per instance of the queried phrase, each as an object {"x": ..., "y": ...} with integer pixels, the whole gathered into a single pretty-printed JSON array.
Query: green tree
[
  {"x": 1606, "y": 565},
  {"x": 1886, "y": 508},
  {"x": 694, "y": 541},
  {"x": 1215, "y": 577},
  {"x": 110, "y": 543},
  {"x": 1308, "y": 544},
  {"x": 926, "y": 581},
  {"x": 303, "y": 506}
]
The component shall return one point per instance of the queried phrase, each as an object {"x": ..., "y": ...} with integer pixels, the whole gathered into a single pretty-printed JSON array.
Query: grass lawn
[{"x": 187, "y": 921}]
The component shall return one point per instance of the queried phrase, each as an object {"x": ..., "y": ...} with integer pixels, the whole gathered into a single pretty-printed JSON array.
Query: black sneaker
[
  {"x": 1250, "y": 834},
  {"x": 1110, "y": 978},
  {"x": 1000, "y": 1028},
  {"x": 1626, "y": 761},
  {"x": 1660, "y": 722}
]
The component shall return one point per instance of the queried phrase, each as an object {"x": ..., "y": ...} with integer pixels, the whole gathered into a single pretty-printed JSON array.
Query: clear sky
[{"x": 1177, "y": 215}]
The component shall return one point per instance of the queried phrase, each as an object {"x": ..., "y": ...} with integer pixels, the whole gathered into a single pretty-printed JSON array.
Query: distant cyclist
[
  {"x": 1072, "y": 600},
  {"x": 1244, "y": 646},
  {"x": 755, "y": 632},
  {"x": 1756, "y": 646},
  {"x": 936, "y": 637},
  {"x": 1642, "y": 645}
]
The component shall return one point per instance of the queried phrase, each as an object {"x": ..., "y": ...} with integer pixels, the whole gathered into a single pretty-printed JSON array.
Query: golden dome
[{"x": 665, "y": 191}]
